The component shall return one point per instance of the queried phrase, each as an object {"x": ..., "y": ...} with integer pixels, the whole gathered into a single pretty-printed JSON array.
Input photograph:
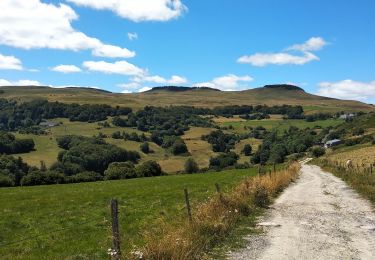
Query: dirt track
[{"x": 318, "y": 217}]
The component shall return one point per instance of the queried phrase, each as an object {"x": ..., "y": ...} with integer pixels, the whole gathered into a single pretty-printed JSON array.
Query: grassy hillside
[
  {"x": 46, "y": 148},
  {"x": 72, "y": 221},
  {"x": 362, "y": 154},
  {"x": 194, "y": 97}
]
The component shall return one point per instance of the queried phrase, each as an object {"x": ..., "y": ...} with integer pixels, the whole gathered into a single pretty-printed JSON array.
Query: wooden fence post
[
  {"x": 115, "y": 230},
  {"x": 188, "y": 204}
]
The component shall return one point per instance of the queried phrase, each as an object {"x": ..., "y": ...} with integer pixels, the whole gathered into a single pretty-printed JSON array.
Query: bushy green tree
[
  {"x": 145, "y": 147},
  {"x": 42, "y": 178},
  {"x": 148, "y": 169},
  {"x": 191, "y": 166},
  {"x": 358, "y": 131},
  {"x": 318, "y": 151},
  {"x": 179, "y": 147},
  {"x": 224, "y": 160},
  {"x": 247, "y": 149},
  {"x": 120, "y": 170}
]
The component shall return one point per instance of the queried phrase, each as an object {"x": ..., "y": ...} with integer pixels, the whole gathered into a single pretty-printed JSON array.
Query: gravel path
[{"x": 318, "y": 217}]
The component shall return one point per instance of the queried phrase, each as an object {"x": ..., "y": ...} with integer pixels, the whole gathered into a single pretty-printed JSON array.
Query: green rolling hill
[{"x": 200, "y": 97}]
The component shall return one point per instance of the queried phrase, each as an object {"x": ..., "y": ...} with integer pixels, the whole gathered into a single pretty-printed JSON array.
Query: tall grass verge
[
  {"x": 360, "y": 178},
  {"x": 213, "y": 220}
]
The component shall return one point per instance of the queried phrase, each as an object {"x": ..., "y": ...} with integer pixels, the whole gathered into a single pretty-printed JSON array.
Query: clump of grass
[
  {"x": 361, "y": 179},
  {"x": 215, "y": 219}
]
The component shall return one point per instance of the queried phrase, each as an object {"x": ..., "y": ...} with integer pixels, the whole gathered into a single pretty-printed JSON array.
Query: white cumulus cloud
[
  {"x": 10, "y": 63},
  {"x": 263, "y": 59},
  {"x": 228, "y": 82},
  {"x": 174, "y": 80},
  {"x": 22, "y": 82},
  {"x": 136, "y": 84},
  {"x": 348, "y": 89},
  {"x": 138, "y": 10},
  {"x": 144, "y": 89},
  {"x": 313, "y": 44},
  {"x": 66, "y": 69},
  {"x": 118, "y": 67},
  {"x": 286, "y": 57},
  {"x": 33, "y": 24}
]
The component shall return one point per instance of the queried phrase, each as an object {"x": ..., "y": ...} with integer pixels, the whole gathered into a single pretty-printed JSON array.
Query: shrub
[
  {"x": 223, "y": 160},
  {"x": 117, "y": 135},
  {"x": 10, "y": 145},
  {"x": 220, "y": 141},
  {"x": 42, "y": 178},
  {"x": 261, "y": 197},
  {"x": 191, "y": 166},
  {"x": 84, "y": 177},
  {"x": 145, "y": 147},
  {"x": 318, "y": 151},
  {"x": 358, "y": 131},
  {"x": 247, "y": 150},
  {"x": 179, "y": 147},
  {"x": 120, "y": 170},
  {"x": 148, "y": 169},
  {"x": 6, "y": 181}
]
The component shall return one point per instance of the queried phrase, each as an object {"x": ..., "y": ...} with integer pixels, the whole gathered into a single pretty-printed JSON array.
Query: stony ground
[{"x": 318, "y": 217}]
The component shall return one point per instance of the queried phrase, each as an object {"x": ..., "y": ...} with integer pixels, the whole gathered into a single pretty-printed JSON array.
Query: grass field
[
  {"x": 71, "y": 221},
  {"x": 46, "y": 148},
  {"x": 362, "y": 155}
]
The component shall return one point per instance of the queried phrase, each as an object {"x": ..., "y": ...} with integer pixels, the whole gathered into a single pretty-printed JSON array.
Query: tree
[
  {"x": 148, "y": 169},
  {"x": 224, "y": 160},
  {"x": 358, "y": 131},
  {"x": 191, "y": 166},
  {"x": 247, "y": 149},
  {"x": 42, "y": 178},
  {"x": 145, "y": 148},
  {"x": 120, "y": 170},
  {"x": 179, "y": 147},
  {"x": 318, "y": 151},
  {"x": 43, "y": 166}
]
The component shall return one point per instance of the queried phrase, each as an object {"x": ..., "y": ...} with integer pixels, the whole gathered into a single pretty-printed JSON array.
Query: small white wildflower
[{"x": 236, "y": 210}]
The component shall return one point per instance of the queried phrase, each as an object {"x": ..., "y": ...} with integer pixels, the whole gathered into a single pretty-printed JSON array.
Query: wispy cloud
[
  {"x": 287, "y": 56},
  {"x": 138, "y": 10},
  {"x": 132, "y": 36},
  {"x": 348, "y": 89}
]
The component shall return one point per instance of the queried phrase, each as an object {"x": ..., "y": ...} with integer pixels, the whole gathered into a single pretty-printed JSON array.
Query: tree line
[{"x": 16, "y": 116}]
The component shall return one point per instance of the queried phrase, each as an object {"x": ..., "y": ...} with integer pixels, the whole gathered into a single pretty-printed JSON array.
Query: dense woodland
[{"x": 16, "y": 116}]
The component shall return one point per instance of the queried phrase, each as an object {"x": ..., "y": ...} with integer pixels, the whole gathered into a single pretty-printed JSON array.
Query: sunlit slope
[{"x": 194, "y": 97}]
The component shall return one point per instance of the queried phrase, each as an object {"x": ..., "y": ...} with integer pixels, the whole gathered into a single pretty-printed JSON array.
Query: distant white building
[
  {"x": 347, "y": 116},
  {"x": 48, "y": 124},
  {"x": 331, "y": 143}
]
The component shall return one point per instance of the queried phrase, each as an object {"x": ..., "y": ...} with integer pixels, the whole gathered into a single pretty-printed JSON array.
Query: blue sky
[{"x": 326, "y": 47}]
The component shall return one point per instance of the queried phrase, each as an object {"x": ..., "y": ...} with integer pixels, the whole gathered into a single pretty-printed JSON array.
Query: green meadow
[{"x": 71, "y": 221}]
